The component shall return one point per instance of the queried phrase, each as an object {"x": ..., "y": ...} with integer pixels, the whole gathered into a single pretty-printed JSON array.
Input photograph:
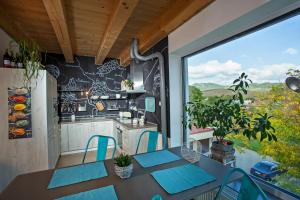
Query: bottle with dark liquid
[{"x": 6, "y": 59}]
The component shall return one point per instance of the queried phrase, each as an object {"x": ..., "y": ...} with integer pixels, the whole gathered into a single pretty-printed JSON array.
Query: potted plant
[
  {"x": 127, "y": 84},
  {"x": 123, "y": 166},
  {"x": 229, "y": 115},
  {"x": 30, "y": 56}
]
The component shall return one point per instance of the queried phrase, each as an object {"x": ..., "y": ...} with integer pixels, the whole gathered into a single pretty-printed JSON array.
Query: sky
[{"x": 265, "y": 55}]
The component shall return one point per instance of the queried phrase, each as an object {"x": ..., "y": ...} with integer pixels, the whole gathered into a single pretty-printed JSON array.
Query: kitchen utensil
[
  {"x": 150, "y": 104},
  {"x": 100, "y": 106}
]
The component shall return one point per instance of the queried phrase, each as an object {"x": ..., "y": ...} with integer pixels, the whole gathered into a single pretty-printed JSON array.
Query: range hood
[{"x": 137, "y": 76}]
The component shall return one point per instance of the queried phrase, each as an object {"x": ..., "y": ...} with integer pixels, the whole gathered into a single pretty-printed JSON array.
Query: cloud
[
  {"x": 291, "y": 51},
  {"x": 224, "y": 73},
  {"x": 270, "y": 73},
  {"x": 214, "y": 68}
]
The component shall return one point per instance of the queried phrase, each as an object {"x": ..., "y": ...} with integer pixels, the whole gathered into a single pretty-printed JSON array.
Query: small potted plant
[
  {"x": 127, "y": 84},
  {"x": 123, "y": 166}
]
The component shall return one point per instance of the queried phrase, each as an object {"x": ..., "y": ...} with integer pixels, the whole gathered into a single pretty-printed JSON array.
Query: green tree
[
  {"x": 284, "y": 105},
  {"x": 195, "y": 93}
]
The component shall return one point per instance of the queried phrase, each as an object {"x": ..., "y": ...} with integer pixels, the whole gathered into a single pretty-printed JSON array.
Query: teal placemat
[
  {"x": 77, "y": 174},
  {"x": 156, "y": 158},
  {"x": 104, "y": 193},
  {"x": 178, "y": 179}
]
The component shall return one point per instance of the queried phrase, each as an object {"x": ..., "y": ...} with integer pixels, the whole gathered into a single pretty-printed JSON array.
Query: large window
[{"x": 266, "y": 56}]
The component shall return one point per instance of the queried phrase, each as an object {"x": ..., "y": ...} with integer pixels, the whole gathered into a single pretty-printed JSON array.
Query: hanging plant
[{"x": 30, "y": 56}]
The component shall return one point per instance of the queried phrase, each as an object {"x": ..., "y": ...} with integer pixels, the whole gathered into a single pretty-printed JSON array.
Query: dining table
[{"x": 140, "y": 186}]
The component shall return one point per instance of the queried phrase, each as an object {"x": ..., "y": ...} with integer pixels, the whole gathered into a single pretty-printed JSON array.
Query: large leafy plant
[{"x": 229, "y": 115}]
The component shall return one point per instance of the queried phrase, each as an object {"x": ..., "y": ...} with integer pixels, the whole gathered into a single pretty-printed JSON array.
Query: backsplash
[{"x": 79, "y": 83}]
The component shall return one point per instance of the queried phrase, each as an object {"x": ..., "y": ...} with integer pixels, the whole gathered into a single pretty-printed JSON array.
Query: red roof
[{"x": 200, "y": 130}]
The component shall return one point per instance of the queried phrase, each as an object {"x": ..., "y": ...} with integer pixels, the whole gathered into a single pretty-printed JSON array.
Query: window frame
[{"x": 269, "y": 187}]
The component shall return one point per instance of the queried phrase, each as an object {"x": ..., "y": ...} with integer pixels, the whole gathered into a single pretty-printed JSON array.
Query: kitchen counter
[{"x": 126, "y": 123}]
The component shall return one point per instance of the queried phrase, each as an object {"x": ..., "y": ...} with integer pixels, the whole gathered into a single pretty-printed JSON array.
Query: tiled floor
[{"x": 75, "y": 159}]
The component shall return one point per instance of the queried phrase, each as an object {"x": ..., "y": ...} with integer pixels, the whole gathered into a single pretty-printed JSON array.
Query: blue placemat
[
  {"x": 156, "y": 158},
  {"x": 77, "y": 174},
  {"x": 104, "y": 193},
  {"x": 178, "y": 179}
]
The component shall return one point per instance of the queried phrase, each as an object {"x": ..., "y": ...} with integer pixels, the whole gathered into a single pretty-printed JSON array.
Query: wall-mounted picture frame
[{"x": 19, "y": 113}]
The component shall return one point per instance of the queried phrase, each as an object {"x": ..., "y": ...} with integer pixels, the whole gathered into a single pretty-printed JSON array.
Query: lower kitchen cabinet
[
  {"x": 130, "y": 138},
  {"x": 78, "y": 136},
  {"x": 74, "y": 136}
]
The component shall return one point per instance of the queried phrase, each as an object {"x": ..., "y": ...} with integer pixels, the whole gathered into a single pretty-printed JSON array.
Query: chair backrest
[
  {"x": 101, "y": 147},
  {"x": 249, "y": 190},
  {"x": 152, "y": 140}
]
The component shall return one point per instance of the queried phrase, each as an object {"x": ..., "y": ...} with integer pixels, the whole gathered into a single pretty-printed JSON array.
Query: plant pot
[
  {"x": 124, "y": 172},
  {"x": 222, "y": 147},
  {"x": 222, "y": 152}
]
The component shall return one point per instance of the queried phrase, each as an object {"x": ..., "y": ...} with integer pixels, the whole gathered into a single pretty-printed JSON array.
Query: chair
[
  {"x": 152, "y": 140},
  {"x": 102, "y": 147},
  {"x": 248, "y": 189}
]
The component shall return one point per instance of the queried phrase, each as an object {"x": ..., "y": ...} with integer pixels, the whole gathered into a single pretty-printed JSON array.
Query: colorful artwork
[{"x": 19, "y": 113}]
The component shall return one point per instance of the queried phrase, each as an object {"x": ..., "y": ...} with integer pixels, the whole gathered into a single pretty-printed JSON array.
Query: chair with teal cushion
[
  {"x": 248, "y": 189},
  {"x": 152, "y": 140},
  {"x": 102, "y": 147}
]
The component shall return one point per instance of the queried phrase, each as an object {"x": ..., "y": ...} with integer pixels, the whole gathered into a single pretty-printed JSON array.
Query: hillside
[
  {"x": 208, "y": 86},
  {"x": 253, "y": 87}
]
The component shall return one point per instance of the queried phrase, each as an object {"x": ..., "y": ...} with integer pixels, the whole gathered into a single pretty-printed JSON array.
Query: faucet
[
  {"x": 96, "y": 112},
  {"x": 140, "y": 112}
]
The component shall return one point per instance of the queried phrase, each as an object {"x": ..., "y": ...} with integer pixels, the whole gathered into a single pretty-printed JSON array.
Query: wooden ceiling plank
[
  {"x": 12, "y": 29},
  {"x": 56, "y": 13},
  {"x": 117, "y": 22},
  {"x": 176, "y": 15}
]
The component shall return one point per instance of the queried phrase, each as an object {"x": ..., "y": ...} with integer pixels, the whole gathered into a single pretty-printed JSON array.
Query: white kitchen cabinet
[
  {"x": 74, "y": 136},
  {"x": 130, "y": 138},
  {"x": 64, "y": 138},
  {"x": 79, "y": 133},
  {"x": 103, "y": 128}
]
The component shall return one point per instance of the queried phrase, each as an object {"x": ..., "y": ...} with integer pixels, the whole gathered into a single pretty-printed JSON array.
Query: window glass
[{"x": 268, "y": 56}]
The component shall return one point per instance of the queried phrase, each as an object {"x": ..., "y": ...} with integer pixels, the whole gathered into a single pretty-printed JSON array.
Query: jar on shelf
[{"x": 6, "y": 60}]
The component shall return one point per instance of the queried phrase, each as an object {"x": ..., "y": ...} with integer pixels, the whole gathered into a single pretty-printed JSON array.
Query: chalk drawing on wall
[{"x": 53, "y": 70}]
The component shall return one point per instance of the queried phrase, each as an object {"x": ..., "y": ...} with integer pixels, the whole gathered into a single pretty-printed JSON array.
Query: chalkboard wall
[
  {"x": 152, "y": 82},
  {"x": 79, "y": 81}
]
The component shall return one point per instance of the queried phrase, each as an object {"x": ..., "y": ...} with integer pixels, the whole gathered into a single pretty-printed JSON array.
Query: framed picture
[{"x": 19, "y": 113}]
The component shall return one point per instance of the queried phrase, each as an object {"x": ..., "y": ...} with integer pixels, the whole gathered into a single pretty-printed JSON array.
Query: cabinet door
[
  {"x": 103, "y": 128},
  {"x": 64, "y": 138},
  {"x": 78, "y": 136}
]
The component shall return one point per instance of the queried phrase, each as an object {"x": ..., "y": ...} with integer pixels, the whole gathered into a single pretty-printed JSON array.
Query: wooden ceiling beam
[
  {"x": 10, "y": 27},
  {"x": 56, "y": 12},
  {"x": 178, "y": 13},
  {"x": 117, "y": 22}
]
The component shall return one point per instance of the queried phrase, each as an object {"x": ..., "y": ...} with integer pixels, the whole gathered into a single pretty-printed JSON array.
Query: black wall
[
  {"x": 152, "y": 81},
  {"x": 74, "y": 80}
]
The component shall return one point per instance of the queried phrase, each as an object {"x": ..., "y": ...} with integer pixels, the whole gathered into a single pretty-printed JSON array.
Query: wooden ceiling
[{"x": 100, "y": 28}]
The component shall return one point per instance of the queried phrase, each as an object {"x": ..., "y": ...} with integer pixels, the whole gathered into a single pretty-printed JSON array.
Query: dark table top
[{"x": 141, "y": 185}]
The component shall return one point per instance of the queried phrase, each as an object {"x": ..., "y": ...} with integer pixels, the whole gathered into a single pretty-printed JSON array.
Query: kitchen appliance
[
  {"x": 81, "y": 107},
  {"x": 124, "y": 114}
]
